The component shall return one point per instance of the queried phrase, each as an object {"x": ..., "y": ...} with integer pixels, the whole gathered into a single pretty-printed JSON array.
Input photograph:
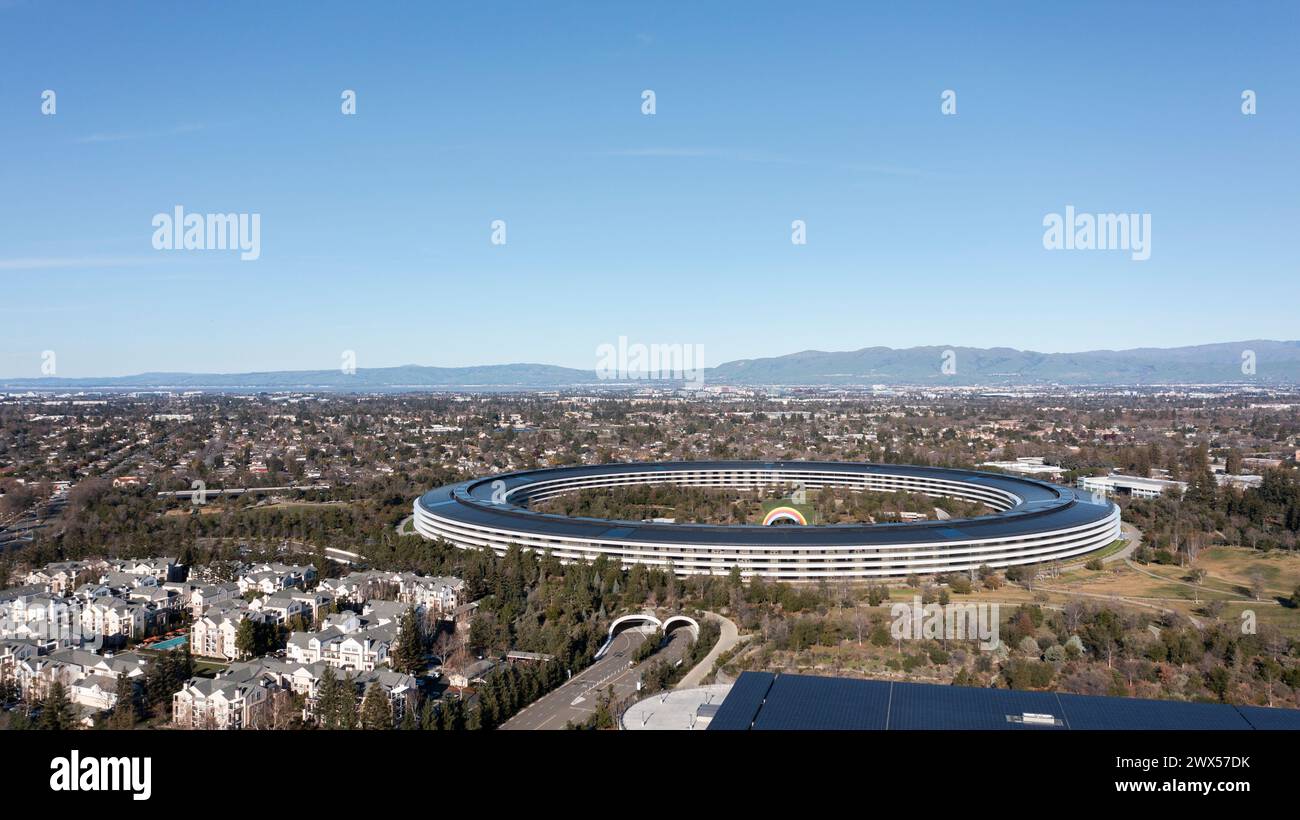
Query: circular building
[{"x": 1032, "y": 521}]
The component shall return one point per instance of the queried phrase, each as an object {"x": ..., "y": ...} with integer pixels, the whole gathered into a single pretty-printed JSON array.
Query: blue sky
[{"x": 671, "y": 228}]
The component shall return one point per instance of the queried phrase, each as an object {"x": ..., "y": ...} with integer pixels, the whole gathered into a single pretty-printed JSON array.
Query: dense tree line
[{"x": 1264, "y": 517}]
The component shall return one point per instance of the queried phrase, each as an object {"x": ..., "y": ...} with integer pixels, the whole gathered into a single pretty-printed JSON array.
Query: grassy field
[
  {"x": 1152, "y": 588},
  {"x": 1280, "y": 571},
  {"x": 1227, "y": 579}
]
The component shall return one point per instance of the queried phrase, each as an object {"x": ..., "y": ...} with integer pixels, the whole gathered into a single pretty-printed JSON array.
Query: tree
[
  {"x": 286, "y": 709},
  {"x": 408, "y": 655},
  {"x": 56, "y": 709},
  {"x": 346, "y": 710},
  {"x": 429, "y": 716},
  {"x": 444, "y": 645},
  {"x": 246, "y": 638},
  {"x": 330, "y": 703},
  {"x": 452, "y": 715},
  {"x": 126, "y": 713},
  {"x": 166, "y": 674},
  {"x": 376, "y": 713},
  {"x": 1256, "y": 583},
  {"x": 1219, "y": 680},
  {"x": 410, "y": 716}
]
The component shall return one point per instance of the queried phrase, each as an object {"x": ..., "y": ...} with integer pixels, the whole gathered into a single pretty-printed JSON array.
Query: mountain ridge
[{"x": 1274, "y": 362}]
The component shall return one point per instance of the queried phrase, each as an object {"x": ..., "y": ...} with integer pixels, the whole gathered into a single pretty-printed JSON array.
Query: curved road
[
  {"x": 1134, "y": 536},
  {"x": 730, "y": 637}
]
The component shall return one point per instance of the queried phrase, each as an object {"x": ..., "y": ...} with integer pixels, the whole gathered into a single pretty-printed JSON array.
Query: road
[
  {"x": 1134, "y": 537},
  {"x": 22, "y": 529},
  {"x": 576, "y": 700},
  {"x": 730, "y": 637}
]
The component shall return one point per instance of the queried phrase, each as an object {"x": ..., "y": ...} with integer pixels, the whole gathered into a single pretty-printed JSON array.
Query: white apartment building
[
  {"x": 113, "y": 617},
  {"x": 232, "y": 702}
]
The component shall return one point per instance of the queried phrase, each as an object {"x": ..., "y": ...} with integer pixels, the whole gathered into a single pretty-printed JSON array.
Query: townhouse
[
  {"x": 60, "y": 577},
  {"x": 278, "y": 608},
  {"x": 270, "y": 578},
  {"x": 241, "y": 695},
  {"x": 439, "y": 595},
  {"x": 237, "y": 698},
  {"x": 203, "y": 596},
  {"x": 112, "y": 617},
  {"x": 42, "y": 616},
  {"x": 160, "y": 569},
  {"x": 214, "y": 634},
  {"x": 348, "y": 641},
  {"x": 35, "y": 673},
  {"x": 12, "y": 652}
]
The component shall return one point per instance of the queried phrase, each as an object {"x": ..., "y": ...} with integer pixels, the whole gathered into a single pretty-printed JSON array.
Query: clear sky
[{"x": 672, "y": 228}]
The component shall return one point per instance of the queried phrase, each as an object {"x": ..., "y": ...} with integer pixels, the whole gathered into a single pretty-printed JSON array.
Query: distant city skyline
[{"x": 668, "y": 228}]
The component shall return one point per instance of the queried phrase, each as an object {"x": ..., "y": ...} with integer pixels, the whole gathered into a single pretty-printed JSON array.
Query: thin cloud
[
  {"x": 125, "y": 136},
  {"x": 887, "y": 170},
  {"x": 731, "y": 154},
  {"x": 743, "y": 155},
  {"x": 55, "y": 262}
]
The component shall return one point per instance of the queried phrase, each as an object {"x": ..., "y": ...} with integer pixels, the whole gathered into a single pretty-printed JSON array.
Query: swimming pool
[{"x": 172, "y": 643}]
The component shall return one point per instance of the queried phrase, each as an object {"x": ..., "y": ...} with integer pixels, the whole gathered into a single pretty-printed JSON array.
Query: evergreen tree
[
  {"x": 430, "y": 717},
  {"x": 246, "y": 638},
  {"x": 410, "y": 716},
  {"x": 126, "y": 713},
  {"x": 408, "y": 655},
  {"x": 346, "y": 717},
  {"x": 376, "y": 713},
  {"x": 451, "y": 716},
  {"x": 327, "y": 701},
  {"x": 20, "y": 719},
  {"x": 56, "y": 709}
]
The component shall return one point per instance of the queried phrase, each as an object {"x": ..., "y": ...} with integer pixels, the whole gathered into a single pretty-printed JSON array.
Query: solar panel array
[
  {"x": 1086, "y": 712},
  {"x": 1262, "y": 717},
  {"x": 808, "y": 702},
  {"x": 740, "y": 707},
  {"x": 761, "y": 700},
  {"x": 930, "y": 706}
]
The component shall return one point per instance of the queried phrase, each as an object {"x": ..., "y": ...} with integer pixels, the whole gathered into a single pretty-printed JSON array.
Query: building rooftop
[{"x": 762, "y": 700}]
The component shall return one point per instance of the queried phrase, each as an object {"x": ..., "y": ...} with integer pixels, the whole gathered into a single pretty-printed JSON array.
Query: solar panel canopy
[
  {"x": 764, "y": 701},
  {"x": 808, "y": 702},
  {"x": 738, "y": 709}
]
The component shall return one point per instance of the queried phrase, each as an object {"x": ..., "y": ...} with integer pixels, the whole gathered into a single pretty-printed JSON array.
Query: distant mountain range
[{"x": 1276, "y": 363}]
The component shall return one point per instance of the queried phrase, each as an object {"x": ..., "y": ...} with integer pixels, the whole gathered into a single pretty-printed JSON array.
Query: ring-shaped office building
[{"x": 1029, "y": 522}]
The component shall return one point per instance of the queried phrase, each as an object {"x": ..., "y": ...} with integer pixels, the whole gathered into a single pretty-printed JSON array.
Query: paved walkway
[
  {"x": 730, "y": 637},
  {"x": 1134, "y": 536}
]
